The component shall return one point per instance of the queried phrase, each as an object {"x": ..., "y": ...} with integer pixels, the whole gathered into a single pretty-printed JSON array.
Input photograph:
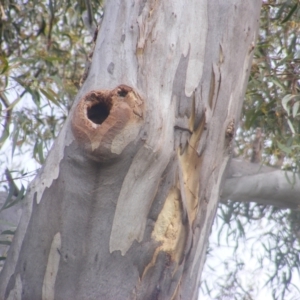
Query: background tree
[{"x": 268, "y": 113}]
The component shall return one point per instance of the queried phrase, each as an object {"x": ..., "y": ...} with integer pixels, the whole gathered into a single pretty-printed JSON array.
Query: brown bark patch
[
  {"x": 170, "y": 231},
  {"x": 105, "y": 122}
]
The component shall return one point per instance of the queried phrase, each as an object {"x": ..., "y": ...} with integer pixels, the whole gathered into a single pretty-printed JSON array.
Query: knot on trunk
[{"x": 106, "y": 121}]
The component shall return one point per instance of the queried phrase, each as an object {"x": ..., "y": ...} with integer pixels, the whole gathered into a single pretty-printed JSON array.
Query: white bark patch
[
  {"x": 135, "y": 199},
  {"x": 115, "y": 48},
  {"x": 16, "y": 292},
  {"x": 196, "y": 42},
  {"x": 146, "y": 22},
  {"x": 237, "y": 92},
  {"x": 52, "y": 269},
  {"x": 50, "y": 170},
  {"x": 127, "y": 135}
]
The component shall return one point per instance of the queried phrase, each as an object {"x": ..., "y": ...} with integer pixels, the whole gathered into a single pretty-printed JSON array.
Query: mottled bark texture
[{"x": 125, "y": 202}]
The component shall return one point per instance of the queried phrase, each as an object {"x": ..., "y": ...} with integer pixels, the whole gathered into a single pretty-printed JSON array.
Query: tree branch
[{"x": 247, "y": 182}]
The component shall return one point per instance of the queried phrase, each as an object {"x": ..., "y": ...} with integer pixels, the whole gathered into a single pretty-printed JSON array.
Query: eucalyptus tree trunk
[{"x": 124, "y": 204}]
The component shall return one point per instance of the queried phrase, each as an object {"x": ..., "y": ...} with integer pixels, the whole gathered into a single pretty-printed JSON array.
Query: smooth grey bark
[{"x": 124, "y": 204}]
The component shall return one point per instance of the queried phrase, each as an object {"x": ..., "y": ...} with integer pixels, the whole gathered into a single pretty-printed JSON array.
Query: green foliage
[
  {"x": 44, "y": 47},
  {"x": 272, "y": 100}
]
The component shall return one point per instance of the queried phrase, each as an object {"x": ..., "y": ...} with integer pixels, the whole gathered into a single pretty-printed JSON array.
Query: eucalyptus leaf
[{"x": 296, "y": 108}]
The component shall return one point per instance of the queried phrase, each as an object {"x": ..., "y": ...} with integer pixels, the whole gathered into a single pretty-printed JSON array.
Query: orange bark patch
[{"x": 104, "y": 122}]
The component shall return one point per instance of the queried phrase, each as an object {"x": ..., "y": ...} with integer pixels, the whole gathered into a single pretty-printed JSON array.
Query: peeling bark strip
[
  {"x": 124, "y": 205},
  {"x": 105, "y": 122},
  {"x": 52, "y": 268}
]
